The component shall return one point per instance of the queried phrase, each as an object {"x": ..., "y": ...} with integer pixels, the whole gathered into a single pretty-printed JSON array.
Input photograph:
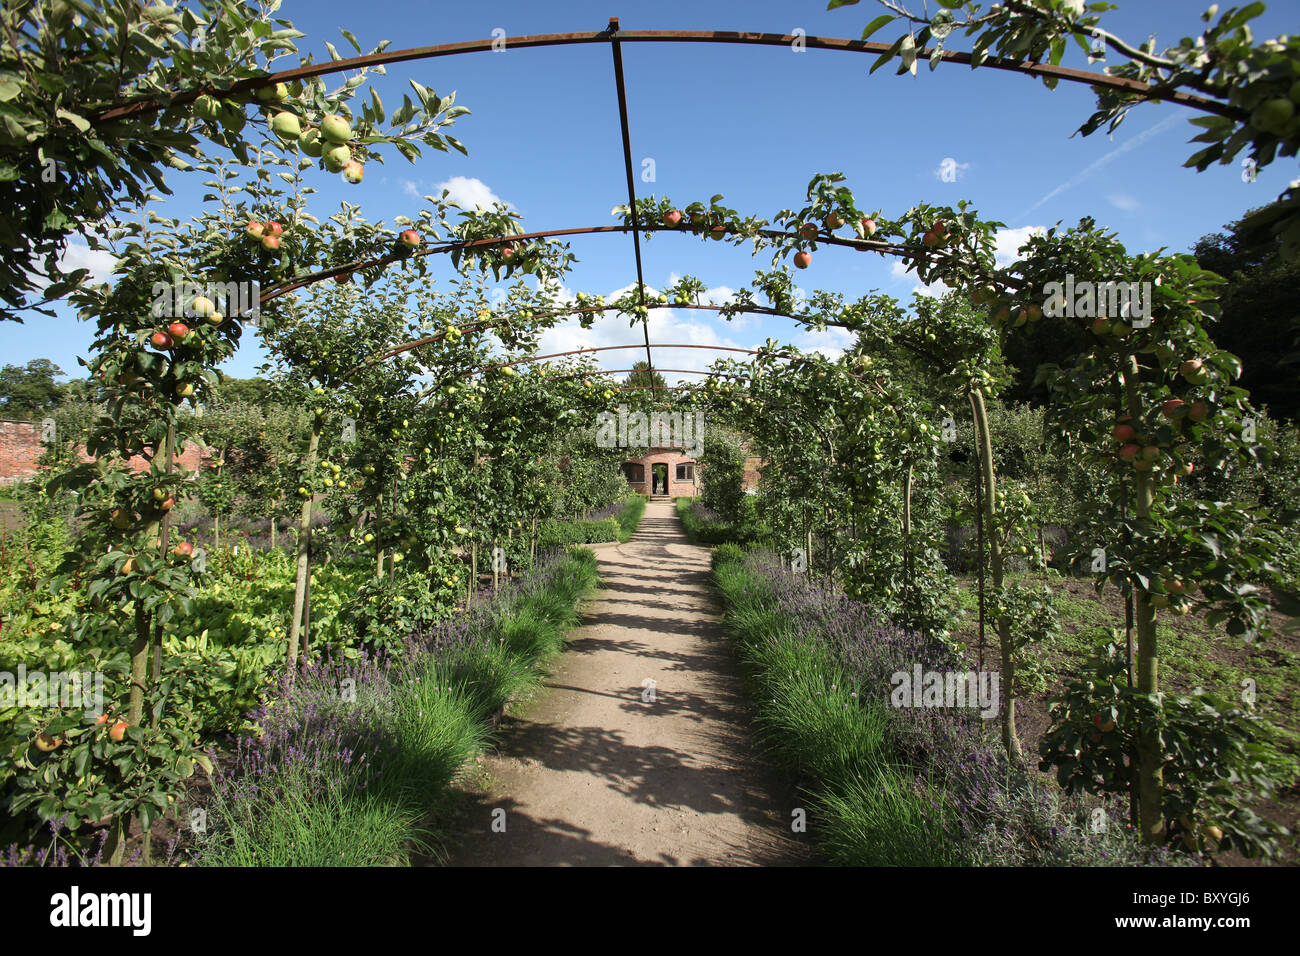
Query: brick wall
[
  {"x": 672, "y": 457},
  {"x": 20, "y": 447}
]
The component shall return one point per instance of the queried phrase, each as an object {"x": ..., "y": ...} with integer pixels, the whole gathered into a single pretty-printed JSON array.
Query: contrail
[{"x": 1101, "y": 161}]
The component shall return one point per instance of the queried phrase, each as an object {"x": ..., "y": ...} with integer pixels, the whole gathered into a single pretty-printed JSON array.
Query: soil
[{"x": 600, "y": 771}]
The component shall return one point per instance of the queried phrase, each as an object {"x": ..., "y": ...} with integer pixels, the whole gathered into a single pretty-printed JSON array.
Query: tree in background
[
  {"x": 1261, "y": 320},
  {"x": 29, "y": 391},
  {"x": 722, "y": 475}
]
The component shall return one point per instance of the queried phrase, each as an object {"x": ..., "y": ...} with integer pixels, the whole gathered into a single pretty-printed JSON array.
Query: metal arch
[
  {"x": 863, "y": 245},
  {"x": 1145, "y": 91}
]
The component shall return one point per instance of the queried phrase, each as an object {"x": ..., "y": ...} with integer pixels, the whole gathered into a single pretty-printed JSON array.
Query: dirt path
[{"x": 592, "y": 774}]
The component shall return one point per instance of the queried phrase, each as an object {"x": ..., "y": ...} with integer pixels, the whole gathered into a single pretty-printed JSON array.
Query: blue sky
[{"x": 753, "y": 123}]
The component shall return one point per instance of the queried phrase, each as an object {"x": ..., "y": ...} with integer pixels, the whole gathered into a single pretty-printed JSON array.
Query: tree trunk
[
  {"x": 304, "y": 543},
  {"x": 984, "y": 440},
  {"x": 1150, "y": 774}
]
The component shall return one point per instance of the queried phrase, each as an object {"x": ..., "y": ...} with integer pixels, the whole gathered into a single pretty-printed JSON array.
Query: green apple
[
  {"x": 335, "y": 128},
  {"x": 337, "y": 157},
  {"x": 310, "y": 143},
  {"x": 286, "y": 126}
]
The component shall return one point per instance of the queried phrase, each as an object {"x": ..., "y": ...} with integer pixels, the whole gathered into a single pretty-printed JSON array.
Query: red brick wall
[{"x": 20, "y": 447}]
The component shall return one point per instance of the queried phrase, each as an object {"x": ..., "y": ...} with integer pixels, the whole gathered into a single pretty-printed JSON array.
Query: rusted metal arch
[
  {"x": 864, "y": 245},
  {"x": 1146, "y": 91},
  {"x": 489, "y": 326}
]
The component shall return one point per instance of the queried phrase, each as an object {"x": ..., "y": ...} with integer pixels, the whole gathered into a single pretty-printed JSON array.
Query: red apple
[
  {"x": 167, "y": 504},
  {"x": 118, "y": 731},
  {"x": 834, "y": 221},
  {"x": 255, "y": 230},
  {"x": 672, "y": 217},
  {"x": 274, "y": 229},
  {"x": 802, "y": 259},
  {"x": 183, "y": 549},
  {"x": 507, "y": 253},
  {"x": 1194, "y": 371},
  {"x": 410, "y": 238},
  {"x": 869, "y": 226},
  {"x": 1124, "y": 433},
  {"x": 1199, "y": 410},
  {"x": 161, "y": 340},
  {"x": 808, "y": 230},
  {"x": 1170, "y": 408},
  {"x": 271, "y": 243},
  {"x": 178, "y": 330},
  {"x": 1130, "y": 451}
]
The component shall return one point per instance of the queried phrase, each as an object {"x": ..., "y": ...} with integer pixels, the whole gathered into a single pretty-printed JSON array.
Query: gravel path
[{"x": 594, "y": 773}]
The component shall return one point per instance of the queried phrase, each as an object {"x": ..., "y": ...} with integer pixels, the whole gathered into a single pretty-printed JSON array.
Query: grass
[
  {"x": 889, "y": 786},
  {"x": 630, "y": 518},
  {"x": 357, "y": 779}
]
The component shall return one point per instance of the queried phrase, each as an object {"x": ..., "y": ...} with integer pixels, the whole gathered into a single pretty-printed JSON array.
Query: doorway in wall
[{"x": 659, "y": 478}]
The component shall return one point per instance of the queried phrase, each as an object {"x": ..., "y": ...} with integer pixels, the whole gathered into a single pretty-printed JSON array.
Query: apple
[
  {"x": 101, "y": 719},
  {"x": 286, "y": 126},
  {"x": 940, "y": 228},
  {"x": 335, "y": 128},
  {"x": 1193, "y": 370},
  {"x": 1158, "y": 600},
  {"x": 1002, "y": 314},
  {"x": 672, "y": 217},
  {"x": 118, "y": 731},
  {"x": 336, "y": 158},
  {"x": 161, "y": 340},
  {"x": 931, "y": 239},
  {"x": 46, "y": 743},
  {"x": 128, "y": 566},
  {"x": 1034, "y": 312},
  {"x": 1124, "y": 433},
  {"x": 1170, "y": 409},
  {"x": 718, "y": 231},
  {"x": 186, "y": 390},
  {"x": 271, "y": 243},
  {"x": 273, "y": 228},
  {"x": 802, "y": 259},
  {"x": 1199, "y": 410},
  {"x": 834, "y": 221},
  {"x": 272, "y": 94},
  {"x": 343, "y": 277},
  {"x": 167, "y": 504},
  {"x": 216, "y": 318},
  {"x": 353, "y": 172},
  {"x": 178, "y": 330},
  {"x": 254, "y": 230},
  {"x": 1103, "y": 722},
  {"x": 507, "y": 253},
  {"x": 1186, "y": 468},
  {"x": 1150, "y": 453},
  {"x": 310, "y": 143},
  {"x": 808, "y": 230},
  {"x": 1175, "y": 586},
  {"x": 122, "y": 519},
  {"x": 208, "y": 108},
  {"x": 409, "y": 238},
  {"x": 869, "y": 226},
  {"x": 183, "y": 549},
  {"x": 1130, "y": 451}
]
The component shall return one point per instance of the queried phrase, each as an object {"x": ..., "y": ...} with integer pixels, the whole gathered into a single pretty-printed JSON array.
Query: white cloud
[
  {"x": 950, "y": 171},
  {"x": 78, "y": 255},
  {"x": 411, "y": 189},
  {"x": 468, "y": 192},
  {"x": 1007, "y": 241},
  {"x": 1124, "y": 201},
  {"x": 667, "y": 326}
]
